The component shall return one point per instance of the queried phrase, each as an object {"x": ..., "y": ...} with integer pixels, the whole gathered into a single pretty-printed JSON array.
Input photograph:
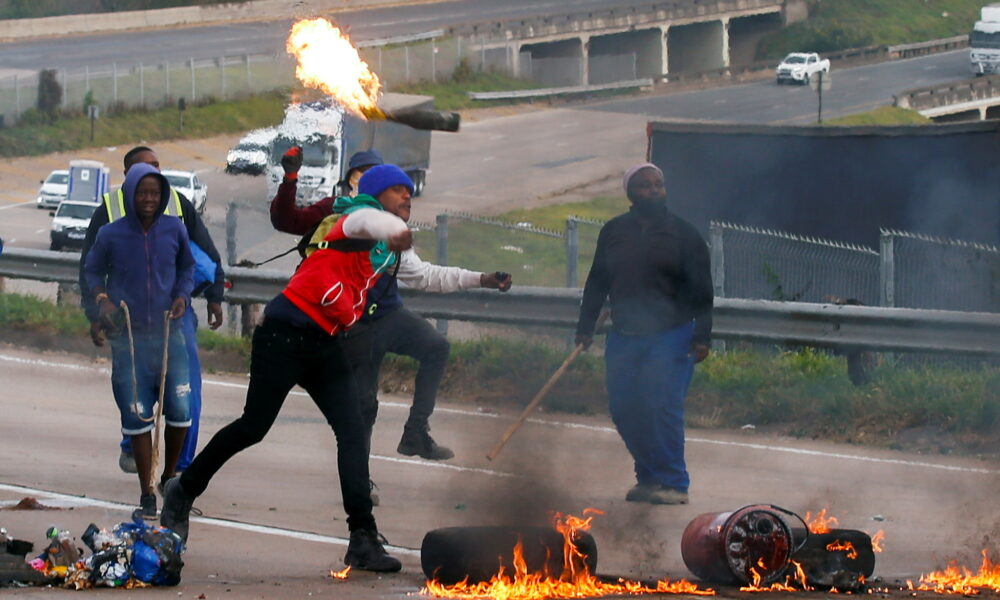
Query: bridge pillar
[
  {"x": 725, "y": 42},
  {"x": 664, "y": 50},
  {"x": 584, "y": 60}
]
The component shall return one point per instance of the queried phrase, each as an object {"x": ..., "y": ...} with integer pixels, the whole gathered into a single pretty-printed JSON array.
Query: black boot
[
  {"x": 365, "y": 552},
  {"x": 416, "y": 441},
  {"x": 176, "y": 507}
]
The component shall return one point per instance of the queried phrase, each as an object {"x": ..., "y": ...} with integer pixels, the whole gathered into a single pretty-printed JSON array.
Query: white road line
[
  {"x": 15, "y": 205},
  {"x": 249, "y": 527},
  {"x": 566, "y": 425}
]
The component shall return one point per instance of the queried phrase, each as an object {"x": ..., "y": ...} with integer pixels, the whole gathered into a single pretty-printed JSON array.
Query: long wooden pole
[
  {"x": 541, "y": 393},
  {"x": 159, "y": 405}
]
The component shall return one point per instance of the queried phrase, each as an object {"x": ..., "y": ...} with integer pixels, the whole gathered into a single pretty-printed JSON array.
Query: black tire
[
  {"x": 805, "y": 80},
  {"x": 453, "y": 553},
  {"x": 55, "y": 246}
]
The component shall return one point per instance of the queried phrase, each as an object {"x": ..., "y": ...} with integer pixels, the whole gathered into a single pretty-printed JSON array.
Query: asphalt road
[
  {"x": 273, "y": 521},
  {"x": 269, "y": 36}
]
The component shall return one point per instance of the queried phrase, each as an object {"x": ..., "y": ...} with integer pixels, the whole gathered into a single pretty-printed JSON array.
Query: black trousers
[
  {"x": 398, "y": 331},
  {"x": 283, "y": 356}
]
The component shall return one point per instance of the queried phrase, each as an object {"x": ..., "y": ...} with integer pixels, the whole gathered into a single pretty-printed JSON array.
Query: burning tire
[{"x": 451, "y": 554}]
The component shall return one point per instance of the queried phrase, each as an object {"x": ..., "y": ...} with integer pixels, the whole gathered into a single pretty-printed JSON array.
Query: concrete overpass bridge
[{"x": 650, "y": 40}]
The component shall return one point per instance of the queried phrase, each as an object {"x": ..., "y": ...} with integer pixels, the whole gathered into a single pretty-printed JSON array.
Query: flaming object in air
[
  {"x": 576, "y": 581},
  {"x": 327, "y": 61}
]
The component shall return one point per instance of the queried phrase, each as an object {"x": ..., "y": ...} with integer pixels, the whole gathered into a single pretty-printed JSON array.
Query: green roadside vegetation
[
  {"x": 29, "y": 9},
  {"x": 844, "y": 24},
  {"x": 36, "y": 134},
  {"x": 803, "y": 392},
  {"x": 885, "y": 115}
]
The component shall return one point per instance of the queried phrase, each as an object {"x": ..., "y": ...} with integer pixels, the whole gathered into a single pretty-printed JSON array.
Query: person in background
[
  {"x": 112, "y": 209},
  {"x": 654, "y": 268},
  {"x": 356, "y": 167},
  {"x": 144, "y": 262}
]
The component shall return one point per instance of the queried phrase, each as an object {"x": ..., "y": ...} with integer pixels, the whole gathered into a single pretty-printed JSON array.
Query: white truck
[
  {"x": 329, "y": 136},
  {"x": 984, "y": 42},
  {"x": 800, "y": 67}
]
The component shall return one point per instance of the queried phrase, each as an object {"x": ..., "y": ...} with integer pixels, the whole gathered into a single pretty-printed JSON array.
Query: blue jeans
[
  {"x": 647, "y": 379},
  {"x": 189, "y": 324},
  {"x": 137, "y": 401}
]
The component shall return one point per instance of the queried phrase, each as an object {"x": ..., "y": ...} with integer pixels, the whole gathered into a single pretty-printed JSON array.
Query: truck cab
[{"x": 984, "y": 42}]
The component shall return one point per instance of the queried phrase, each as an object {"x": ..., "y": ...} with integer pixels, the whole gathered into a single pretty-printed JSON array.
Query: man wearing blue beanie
[{"x": 387, "y": 326}]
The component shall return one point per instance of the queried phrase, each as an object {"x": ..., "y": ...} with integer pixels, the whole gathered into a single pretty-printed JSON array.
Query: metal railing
[
  {"x": 558, "y": 91},
  {"x": 796, "y": 323}
]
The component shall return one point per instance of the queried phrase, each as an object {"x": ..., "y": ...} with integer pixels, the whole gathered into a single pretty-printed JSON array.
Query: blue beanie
[
  {"x": 365, "y": 158},
  {"x": 382, "y": 177}
]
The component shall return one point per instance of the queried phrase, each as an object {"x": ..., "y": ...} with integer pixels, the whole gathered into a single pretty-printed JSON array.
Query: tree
[{"x": 49, "y": 94}]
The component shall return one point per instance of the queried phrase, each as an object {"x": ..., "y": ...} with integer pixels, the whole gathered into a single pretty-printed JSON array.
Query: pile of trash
[{"x": 130, "y": 555}]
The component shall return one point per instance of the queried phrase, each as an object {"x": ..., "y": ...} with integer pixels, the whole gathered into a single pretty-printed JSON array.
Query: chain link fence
[
  {"x": 928, "y": 272},
  {"x": 131, "y": 85},
  {"x": 760, "y": 263}
]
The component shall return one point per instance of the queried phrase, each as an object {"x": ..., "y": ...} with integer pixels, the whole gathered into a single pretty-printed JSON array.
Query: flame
[
  {"x": 576, "y": 581},
  {"x": 821, "y": 523},
  {"x": 342, "y": 574},
  {"x": 877, "y": 540},
  {"x": 956, "y": 579},
  {"x": 798, "y": 578},
  {"x": 847, "y": 547},
  {"x": 329, "y": 62}
]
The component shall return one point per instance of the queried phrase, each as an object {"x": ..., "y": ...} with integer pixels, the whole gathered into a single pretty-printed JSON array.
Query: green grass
[
  {"x": 885, "y": 115},
  {"x": 452, "y": 95},
  {"x": 31, "y": 137},
  {"x": 34, "y": 314},
  {"x": 843, "y": 24}
]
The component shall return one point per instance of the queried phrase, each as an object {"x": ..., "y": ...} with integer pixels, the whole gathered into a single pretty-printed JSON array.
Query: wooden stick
[
  {"x": 541, "y": 393},
  {"x": 159, "y": 405}
]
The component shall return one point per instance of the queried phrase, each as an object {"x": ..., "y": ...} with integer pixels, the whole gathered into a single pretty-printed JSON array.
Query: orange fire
[
  {"x": 877, "y": 540},
  {"x": 956, "y": 579},
  {"x": 847, "y": 547},
  {"x": 342, "y": 574},
  {"x": 821, "y": 523},
  {"x": 576, "y": 581},
  {"x": 798, "y": 578},
  {"x": 327, "y": 61}
]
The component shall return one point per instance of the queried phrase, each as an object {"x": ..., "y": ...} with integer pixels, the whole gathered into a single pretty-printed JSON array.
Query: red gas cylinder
[{"x": 723, "y": 547}]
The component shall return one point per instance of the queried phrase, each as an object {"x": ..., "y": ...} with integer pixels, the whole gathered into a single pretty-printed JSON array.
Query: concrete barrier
[{"x": 19, "y": 29}]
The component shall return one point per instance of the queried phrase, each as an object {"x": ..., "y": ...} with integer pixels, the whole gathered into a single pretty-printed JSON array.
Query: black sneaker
[
  {"x": 146, "y": 510},
  {"x": 372, "y": 491},
  {"x": 176, "y": 507},
  {"x": 126, "y": 462},
  {"x": 367, "y": 553},
  {"x": 418, "y": 442}
]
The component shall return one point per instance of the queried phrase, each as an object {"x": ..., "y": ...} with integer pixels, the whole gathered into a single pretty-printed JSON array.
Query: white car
[
  {"x": 188, "y": 184},
  {"x": 69, "y": 224},
  {"x": 800, "y": 67},
  {"x": 53, "y": 190}
]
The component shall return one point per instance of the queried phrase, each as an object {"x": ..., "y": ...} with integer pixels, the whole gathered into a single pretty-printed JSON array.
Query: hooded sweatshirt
[{"x": 146, "y": 269}]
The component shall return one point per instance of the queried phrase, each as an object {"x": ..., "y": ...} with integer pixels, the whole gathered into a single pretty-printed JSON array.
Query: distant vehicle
[
  {"x": 53, "y": 190},
  {"x": 69, "y": 224},
  {"x": 88, "y": 181},
  {"x": 249, "y": 156},
  {"x": 800, "y": 67},
  {"x": 329, "y": 136},
  {"x": 188, "y": 184},
  {"x": 984, "y": 42}
]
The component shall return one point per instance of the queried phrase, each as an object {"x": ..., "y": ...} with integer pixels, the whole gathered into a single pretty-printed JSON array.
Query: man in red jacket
[{"x": 300, "y": 342}]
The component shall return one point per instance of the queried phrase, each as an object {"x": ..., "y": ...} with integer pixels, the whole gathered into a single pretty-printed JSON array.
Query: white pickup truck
[{"x": 799, "y": 67}]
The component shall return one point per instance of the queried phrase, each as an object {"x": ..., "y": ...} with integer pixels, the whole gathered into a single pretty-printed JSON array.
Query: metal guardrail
[
  {"x": 794, "y": 323},
  {"x": 575, "y": 89}
]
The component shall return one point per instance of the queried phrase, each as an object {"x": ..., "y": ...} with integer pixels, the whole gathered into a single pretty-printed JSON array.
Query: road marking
[
  {"x": 562, "y": 424},
  {"x": 18, "y": 204},
  {"x": 239, "y": 525}
]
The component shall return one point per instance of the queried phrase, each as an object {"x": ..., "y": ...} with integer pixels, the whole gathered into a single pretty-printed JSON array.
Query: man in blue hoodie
[{"x": 144, "y": 262}]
